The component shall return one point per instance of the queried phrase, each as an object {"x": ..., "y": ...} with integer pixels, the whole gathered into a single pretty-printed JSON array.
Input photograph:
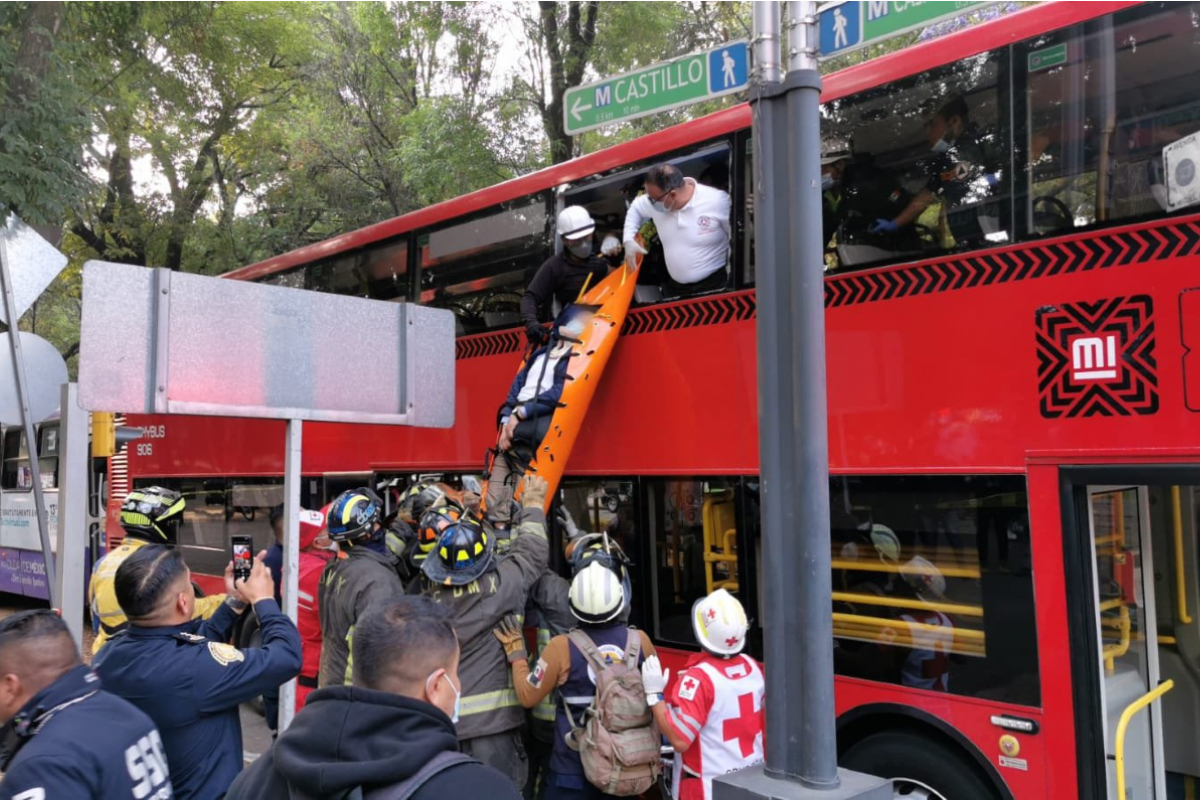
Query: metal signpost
[
  {"x": 801, "y": 736},
  {"x": 161, "y": 342},
  {"x": 671, "y": 84},
  {"x": 855, "y": 24},
  {"x": 72, "y": 509},
  {"x": 28, "y": 263}
]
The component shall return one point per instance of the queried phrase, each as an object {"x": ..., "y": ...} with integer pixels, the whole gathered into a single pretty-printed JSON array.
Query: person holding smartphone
[{"x": 182, "y": 673}]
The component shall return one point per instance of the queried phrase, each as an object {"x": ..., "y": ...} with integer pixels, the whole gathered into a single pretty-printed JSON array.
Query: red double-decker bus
[{"x": 1013, "y": 400}]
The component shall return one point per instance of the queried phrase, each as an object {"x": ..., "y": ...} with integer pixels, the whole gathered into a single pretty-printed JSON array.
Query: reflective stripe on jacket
[{"x": 102, "y": 594}]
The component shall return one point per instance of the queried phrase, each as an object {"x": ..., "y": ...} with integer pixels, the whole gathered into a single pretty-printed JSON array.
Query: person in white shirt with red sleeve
[{"x": 713, "y": 716}]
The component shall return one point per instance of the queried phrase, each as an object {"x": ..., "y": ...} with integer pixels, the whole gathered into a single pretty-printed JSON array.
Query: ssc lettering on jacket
[{"x": 147, "y": 766}]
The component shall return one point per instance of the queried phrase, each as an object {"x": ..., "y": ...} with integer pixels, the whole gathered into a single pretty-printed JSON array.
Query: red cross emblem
[
  {"x": 731, "y": 641},
  {"x": 689, "y": 685},
  {"x": 745, "y": 727},
  {"x": 712, "y": 614}
]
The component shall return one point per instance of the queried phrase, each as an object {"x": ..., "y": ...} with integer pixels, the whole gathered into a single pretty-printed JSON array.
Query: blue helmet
[{"x": 354, "y": 515}]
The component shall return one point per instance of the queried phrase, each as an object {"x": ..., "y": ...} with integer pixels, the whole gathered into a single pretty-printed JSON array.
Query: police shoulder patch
[
  {"x": 225, "y": 654},
  {"x": 190, "y": 638}
]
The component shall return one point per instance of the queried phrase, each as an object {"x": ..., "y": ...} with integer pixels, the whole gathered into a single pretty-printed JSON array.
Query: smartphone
[{"x": 243, "y": 556}]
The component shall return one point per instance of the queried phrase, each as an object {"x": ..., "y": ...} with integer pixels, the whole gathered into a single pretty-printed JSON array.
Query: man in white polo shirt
[{"x": 693, "y": 224}]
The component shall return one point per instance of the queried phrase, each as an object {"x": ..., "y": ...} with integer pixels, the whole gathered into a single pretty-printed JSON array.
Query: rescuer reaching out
[
  {"x": 713, "y": 716},
  {"x": 464, "y": 575}
]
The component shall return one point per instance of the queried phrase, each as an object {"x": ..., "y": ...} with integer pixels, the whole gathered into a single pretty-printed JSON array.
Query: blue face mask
[
  {"x": 826, "y": 181},
  {"x": 941, "y": 145}
]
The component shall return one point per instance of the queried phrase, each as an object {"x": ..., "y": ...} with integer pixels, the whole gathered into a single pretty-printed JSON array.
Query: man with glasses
[
  {"x": 692, "y": 221},
  {"x": 64, "y": 736}
]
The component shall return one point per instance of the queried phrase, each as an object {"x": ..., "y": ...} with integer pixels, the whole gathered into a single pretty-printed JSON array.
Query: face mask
[
  {"x": 581, "y": 250},
  {"x": 941, "y": 145},
  {"x": 457, "y": 695},
  {"x": 827, "y": 180}
]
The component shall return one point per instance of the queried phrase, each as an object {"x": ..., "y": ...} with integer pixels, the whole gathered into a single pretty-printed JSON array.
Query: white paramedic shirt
[{"x": 695, "y": 238}]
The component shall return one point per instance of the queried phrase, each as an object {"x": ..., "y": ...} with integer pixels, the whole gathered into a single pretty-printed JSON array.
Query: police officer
[
  {"x": 351, "y": 585},
  {"x": 181, "y": 672},
  {"x": 149, "y": 516},
  {"x": 63, "y": 735},
  {"x": 465, "y": 575}
]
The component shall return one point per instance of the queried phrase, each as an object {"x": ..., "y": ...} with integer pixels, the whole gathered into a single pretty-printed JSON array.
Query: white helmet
[
  {"x": 720, "y": 624},
  {"x": 574, "y": 222},
  {"x": 924, "y": 578},
  {"x": 596, "y": 594},
  {"x": 887, "y": 543}
]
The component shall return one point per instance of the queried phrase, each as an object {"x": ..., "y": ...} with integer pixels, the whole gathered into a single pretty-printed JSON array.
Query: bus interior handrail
[{"x": 1123, "y": 726}]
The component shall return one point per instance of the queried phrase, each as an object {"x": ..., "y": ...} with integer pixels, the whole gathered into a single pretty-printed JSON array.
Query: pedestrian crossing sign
[{"x": 840, "y": 28}]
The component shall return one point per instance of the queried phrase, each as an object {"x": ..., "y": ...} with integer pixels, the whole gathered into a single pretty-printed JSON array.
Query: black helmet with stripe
[
  {"x": 354, "y": 515},
  {"x": 153, "y": 514},
  {"x": 463, "y": 553}
]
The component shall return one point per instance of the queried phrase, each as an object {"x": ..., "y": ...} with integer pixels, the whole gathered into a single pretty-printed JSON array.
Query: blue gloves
[{"x": 883, "y": 226}]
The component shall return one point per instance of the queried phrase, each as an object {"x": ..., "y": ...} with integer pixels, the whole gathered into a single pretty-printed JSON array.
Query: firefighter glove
[{"x": 512, "y": 638}]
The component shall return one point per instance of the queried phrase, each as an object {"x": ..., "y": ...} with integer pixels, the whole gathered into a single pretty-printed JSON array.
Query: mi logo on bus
[
  {"x": 1097, "y": 358},
  {"x": 1094, "y": 358}
]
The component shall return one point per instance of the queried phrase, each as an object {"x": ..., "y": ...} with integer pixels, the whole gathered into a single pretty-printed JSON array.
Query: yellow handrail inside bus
[
  {"x": 879, "y": 566},
  {"x": 1114, "y": 651},
  {"x": 904, "y": 602},
  {"x": 1180, "y": 572},
  {"x": 1123, "y": 725}
]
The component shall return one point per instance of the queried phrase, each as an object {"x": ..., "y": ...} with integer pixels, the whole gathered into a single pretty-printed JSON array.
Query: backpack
[{"x": 618, "y": 744}]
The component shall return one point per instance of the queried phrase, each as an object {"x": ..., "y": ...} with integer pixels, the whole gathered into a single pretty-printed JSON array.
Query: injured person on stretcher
[{"x": 525, "y": 416}]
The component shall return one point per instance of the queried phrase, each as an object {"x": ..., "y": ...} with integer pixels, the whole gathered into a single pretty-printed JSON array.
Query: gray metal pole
[
  {"x": 783, "y": 626},
  {"x": 291, "y": 552},
  {"x": 808, "y": 548},
  {"x": 39, "y": 500},
  {"x": 73, "y": 470}
]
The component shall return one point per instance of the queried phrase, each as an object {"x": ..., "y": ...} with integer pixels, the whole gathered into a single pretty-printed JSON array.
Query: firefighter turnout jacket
[
  {"x": 103, "y": 596},
  {"x": 73, "y": 739},
  {"x": 489, "y": 705},
  {"x": 349, "y": 586},
  {"x": 190, "y": 683}
]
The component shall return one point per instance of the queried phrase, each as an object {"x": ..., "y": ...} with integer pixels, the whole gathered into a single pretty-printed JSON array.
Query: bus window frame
[
  {"x": 19, "y": 436},
  {"x": 418, "y": 270}
]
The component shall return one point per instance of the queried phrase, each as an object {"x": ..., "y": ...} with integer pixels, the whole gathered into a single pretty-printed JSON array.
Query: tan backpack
[{"x": 619, "y": 744}]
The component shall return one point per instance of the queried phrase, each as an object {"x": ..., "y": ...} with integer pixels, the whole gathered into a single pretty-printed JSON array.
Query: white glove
[
  {"x": 654, "y": 679},
  {"x": 632, "y": 251},
  {"x": 610, "y": 246}
]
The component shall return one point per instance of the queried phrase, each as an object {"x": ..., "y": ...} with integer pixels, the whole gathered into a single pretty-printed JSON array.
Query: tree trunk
[{"x": 38, "y": 28}]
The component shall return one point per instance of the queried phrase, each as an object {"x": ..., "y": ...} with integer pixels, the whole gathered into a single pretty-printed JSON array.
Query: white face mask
[
  {"x": 457, "y": 694},
  {"x": 826, "y": 180},
  {"x": 941, "y": 145}
]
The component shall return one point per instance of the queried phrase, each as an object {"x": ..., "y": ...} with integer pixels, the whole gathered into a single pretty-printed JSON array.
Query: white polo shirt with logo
[{"x": 695, "y": 238}]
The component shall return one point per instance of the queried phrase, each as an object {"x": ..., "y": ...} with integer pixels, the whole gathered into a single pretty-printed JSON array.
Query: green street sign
[
  {"x": 854, "y": 24},
  {"x": 671, "y": 84},
  {"x": 1048, "y": 57}
]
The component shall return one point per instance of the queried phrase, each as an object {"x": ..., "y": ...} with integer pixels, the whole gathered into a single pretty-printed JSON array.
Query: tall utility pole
[{"x": 801, "y": 741}]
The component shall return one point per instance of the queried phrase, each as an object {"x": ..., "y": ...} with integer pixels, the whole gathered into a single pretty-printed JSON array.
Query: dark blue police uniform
[
  {"x": 190, "y": 683},
  {"x": 73, "y": 739}
]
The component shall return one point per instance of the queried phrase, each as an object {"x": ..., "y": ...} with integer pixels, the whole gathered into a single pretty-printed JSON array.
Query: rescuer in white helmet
[
  {"x": 563, "y": 276},
  {"x": 713, "y": 714},
  {"x": 570, "y": 663}
]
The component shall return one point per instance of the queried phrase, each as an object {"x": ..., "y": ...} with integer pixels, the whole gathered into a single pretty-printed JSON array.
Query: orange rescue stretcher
[{"x": 610, "y": 298}]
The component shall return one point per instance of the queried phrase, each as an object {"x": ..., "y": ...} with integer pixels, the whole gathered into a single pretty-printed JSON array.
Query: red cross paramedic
[{"x": 713, "y": 716}]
